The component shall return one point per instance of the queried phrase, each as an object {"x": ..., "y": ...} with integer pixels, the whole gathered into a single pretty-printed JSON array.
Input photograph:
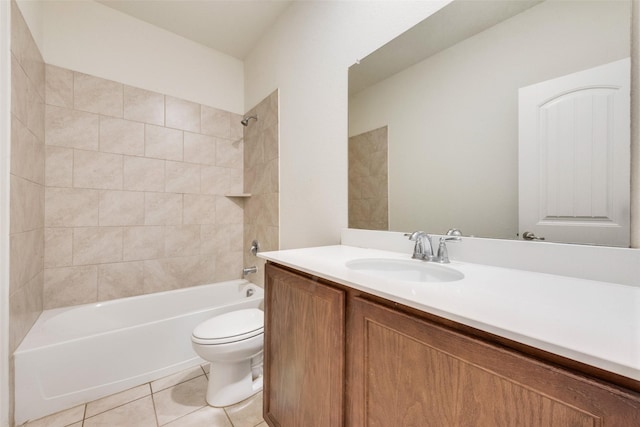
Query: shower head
[{"x": 245, "y": 120}]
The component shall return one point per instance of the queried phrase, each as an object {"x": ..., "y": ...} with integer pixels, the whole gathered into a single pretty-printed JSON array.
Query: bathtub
[{"x": 77, "y": 354}]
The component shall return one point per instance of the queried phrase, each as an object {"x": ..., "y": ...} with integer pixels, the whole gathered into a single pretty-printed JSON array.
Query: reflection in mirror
[{"x": 452, "y": 117}]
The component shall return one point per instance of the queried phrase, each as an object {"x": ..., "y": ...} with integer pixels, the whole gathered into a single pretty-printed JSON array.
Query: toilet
[{"x": 232, "y": 342}]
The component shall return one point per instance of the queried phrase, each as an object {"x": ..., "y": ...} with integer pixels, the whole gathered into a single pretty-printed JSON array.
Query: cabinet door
[
  {"x": 404, "y": 371},
  {"x": 304, "y": 351}
]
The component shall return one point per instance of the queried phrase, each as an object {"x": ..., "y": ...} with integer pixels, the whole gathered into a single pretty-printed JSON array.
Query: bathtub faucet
[{"x": 249, "y": 270}]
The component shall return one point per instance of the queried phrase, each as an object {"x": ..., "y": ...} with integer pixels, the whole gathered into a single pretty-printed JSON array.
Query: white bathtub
[{"x": 78, "y": 354}]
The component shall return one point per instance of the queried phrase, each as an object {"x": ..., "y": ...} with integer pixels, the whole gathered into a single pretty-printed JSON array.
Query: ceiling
[
  {"x": 450, "y": 25},
  {"x": 229, "y": 26}
]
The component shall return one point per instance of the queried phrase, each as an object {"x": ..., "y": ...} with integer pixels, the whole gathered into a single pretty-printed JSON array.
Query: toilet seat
[{"x": 230, "y": 327}]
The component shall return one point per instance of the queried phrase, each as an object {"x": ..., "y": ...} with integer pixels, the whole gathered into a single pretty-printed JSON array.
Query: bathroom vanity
[{"x": 348, "y": 348}]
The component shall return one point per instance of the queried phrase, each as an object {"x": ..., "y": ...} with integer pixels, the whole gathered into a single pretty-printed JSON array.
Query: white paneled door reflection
[{"x": 574, "y": 157}]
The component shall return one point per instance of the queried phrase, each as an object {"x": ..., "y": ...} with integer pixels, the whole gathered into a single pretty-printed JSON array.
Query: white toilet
[{"x": 233, "y": 343}]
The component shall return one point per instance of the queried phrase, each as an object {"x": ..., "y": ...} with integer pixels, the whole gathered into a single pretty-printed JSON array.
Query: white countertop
[{"x": 597, "y": 323}]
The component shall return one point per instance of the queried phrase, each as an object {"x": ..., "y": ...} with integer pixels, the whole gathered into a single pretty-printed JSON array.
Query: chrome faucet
[{"x": 423, "y": 249}]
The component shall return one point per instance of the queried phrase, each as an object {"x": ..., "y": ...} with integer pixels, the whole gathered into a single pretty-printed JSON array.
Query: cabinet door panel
[
  {"x": 404, "y": 371},
  {"x": 304, "y": 351}
]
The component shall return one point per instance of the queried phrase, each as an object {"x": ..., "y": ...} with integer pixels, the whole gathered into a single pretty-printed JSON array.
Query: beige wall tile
[
  {"x": 71, "y": 128},
  {"x": 229, "y": 153},
  {"x": 59, "y": 86},
  {"x": 95, "y": 245},
  {"x": 120, "y": 280},
  {"x": 143, "y": 106},
  {"x": 162, "y": 209},
  {"x": 228, "y": 238},
  {"x": 121, "y": 136},
  {"x": 27, "y": 205},
  {"x": 229, "y": 210},
  {"x": 216, "y": 122},
  {"x": 20, "y": 33},
  {"x": 71, "y": 207},
  {"x": 19, "y": 88},
  {"x": 181, "y": 114},
  {"x": 70, "y": 286},
  {"x": 35, "y": 110},
  {"x": 182, "y": 240},
  {"x": 169, "y": 273},
  {"x": 58, "y": 166},
  {"x": 27, "y": 254},
  {"x": 97, "y": 95},
  {"x": 237, "y": 130},
  {"x": 218, "y": 180},
  {"x": 141, "y": 243},
  {"x": 199, "y": 148},
  {"x": 25, "y": 305},
  {"x": 143, "y": 174},
  {"x": 27, "y": 153},
  {"x": 228, "y": 266},
  {"x": 97, "y": 170},
  {"x": 182, "y": 177},
  {"x": 270, "y": 143},
  {"x": 121, "y": 208},
  {"x": 199, "y": 209},
  {"x": 163, "y": 143},
  {"x": 58, "y": 247}
]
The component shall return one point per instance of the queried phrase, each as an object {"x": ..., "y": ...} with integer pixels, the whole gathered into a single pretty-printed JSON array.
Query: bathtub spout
[{"x": 249, "y": 270}]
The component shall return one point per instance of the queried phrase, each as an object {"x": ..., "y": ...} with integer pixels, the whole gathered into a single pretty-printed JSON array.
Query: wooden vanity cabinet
[
  {"x": 304, "y": 351},
  {"x": 406, "y": 369}
]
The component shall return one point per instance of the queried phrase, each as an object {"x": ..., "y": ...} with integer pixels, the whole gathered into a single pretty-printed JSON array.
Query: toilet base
[{"x": 230, "y": 383}]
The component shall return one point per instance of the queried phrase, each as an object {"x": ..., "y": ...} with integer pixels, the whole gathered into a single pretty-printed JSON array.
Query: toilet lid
[{"x": 234, "y": 325}]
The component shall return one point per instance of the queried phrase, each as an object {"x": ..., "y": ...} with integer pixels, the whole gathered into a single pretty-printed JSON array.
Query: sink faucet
[{"x": 423, "y": 249}]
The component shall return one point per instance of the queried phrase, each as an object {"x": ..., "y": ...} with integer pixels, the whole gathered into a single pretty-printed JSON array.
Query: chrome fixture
[
  {"x": 249, "y": 270},
  {"x": 245, "y": 120},
  {"x": 443, "y": 253},
  {"x": 454, "y": 232},
  {"x": 255, "y": 247},
  {"x": 528, "y": 235},
  {"x": 423, "y": 249}
]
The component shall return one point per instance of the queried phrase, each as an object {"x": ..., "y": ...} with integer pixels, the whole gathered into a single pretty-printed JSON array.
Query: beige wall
[
  {"x": 306, "y": 56},
  {"x": 261, "y": 165},
  {"x": 368, "y": 180},
  {"x": 135, "y": 191}
]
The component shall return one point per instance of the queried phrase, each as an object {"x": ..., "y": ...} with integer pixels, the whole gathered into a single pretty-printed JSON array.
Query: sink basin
[{"x": 405, "y": 270}]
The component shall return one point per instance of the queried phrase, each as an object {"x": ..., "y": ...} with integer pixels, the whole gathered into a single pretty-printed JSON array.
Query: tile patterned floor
[{"x": 174, "y": 401}]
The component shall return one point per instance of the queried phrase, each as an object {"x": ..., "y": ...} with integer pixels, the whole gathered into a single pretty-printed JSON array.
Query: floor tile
[
  {"x": 247, "y": 413},
  {"x": 182, "y": 399},
  {"x": 118, "y": 399},
  {"x": 207, "y": 416},
  {"x": 59, "y": 419},
  {"x": 180, "y": 377},
  {"x": 138, "y": 413}
]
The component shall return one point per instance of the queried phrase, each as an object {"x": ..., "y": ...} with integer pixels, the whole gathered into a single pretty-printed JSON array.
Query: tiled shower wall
[
  {"x": 261, "y": 159},
  {"x": 135, "y": 191},
  {"x": 368, "y": 180},
  {"x": 27, "y": 180}
]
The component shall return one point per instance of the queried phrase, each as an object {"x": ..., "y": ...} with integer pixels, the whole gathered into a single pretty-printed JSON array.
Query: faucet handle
[
  {"x": 415, "y": 235},
  {"x": 443, "y": 253}
]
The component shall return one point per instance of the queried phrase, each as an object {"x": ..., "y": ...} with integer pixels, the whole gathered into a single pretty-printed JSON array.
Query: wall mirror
[{"x": 446, "y": 97}]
